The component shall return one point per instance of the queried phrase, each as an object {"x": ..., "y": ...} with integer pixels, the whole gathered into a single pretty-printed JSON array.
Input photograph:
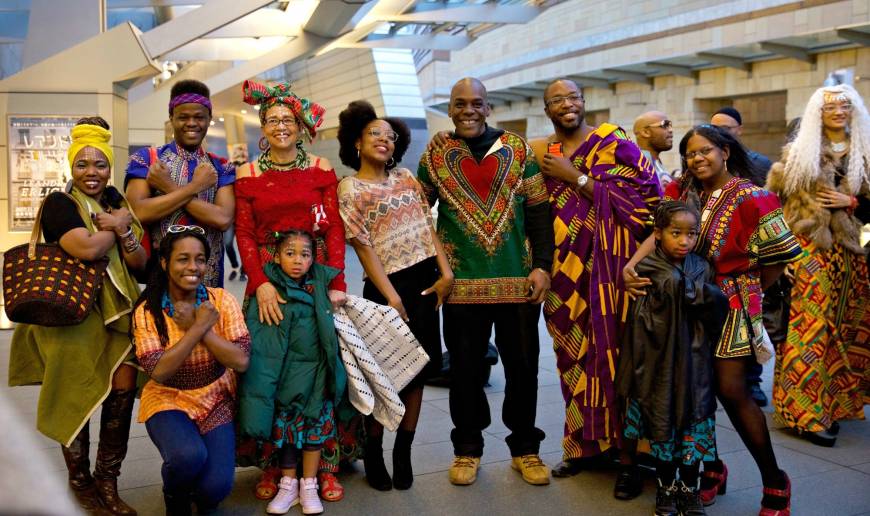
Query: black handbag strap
[{"x": 36, "y": 232}]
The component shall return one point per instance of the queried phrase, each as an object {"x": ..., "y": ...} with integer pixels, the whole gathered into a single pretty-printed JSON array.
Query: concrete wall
[{"x": 688, "y": 102}]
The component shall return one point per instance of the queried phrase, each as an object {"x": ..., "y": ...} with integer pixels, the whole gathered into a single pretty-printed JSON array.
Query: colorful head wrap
[
  {"x": 86, "y": 135},
  {"x": 189, "y": 98},
  {"x": 307, "y": 112}
]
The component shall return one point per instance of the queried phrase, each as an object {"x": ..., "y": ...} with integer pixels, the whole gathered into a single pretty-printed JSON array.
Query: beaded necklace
[
  {"x": 264, "y": 162},
  {"x": 169, "y": 309}
]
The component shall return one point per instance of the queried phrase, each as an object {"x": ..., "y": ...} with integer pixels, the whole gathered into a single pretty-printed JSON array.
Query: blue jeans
[{"x": 194, "y": 465}]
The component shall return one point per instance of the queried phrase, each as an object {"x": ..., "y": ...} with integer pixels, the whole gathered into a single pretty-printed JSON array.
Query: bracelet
[
  {"x": 130, "y": 242},
  {"x": 127, "y": 234}
]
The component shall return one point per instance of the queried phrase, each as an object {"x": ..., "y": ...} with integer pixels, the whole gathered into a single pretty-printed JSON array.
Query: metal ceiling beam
[
  {"x": 801, "y": 54},
  {"x": 196, "y": 23},
  {"x": 672, "y": 69},
  {"x": 855, "y": 36},
  {"x": 328, "y": 20},
  {"x": 225, "y": 49},
  {"x": 259, "y": 24},
  {"x": 727, "y": 61},
  {"x": 417, "y": 41},
  {"x": 332, "y": 18},
  {"x": 483, "y": 13},
  {"x": 624, "y": 75},
  {"x": 303, "y": 46}
]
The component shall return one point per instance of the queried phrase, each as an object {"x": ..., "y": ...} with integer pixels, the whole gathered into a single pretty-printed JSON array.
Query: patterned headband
[
  {"x": 189, "y": 98},
  {"x": 307, "y": 112},
  {"x": 835, "y": 94}
]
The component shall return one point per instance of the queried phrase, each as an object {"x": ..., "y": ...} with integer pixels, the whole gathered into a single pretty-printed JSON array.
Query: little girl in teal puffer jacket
[{"x": 295, "y": 378}]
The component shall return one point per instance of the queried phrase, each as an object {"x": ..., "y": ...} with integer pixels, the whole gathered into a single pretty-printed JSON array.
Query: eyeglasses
[
  {"x": 574, "y": 98},
  {"x": 181, "y": 228},
  {"x": 275, "y": 122},
  {"x": 833, "y": 108},
  {"x": 664, "y": 124},
  {"x": 701, "y": 152},
  {"x": 393, "y": 136}
]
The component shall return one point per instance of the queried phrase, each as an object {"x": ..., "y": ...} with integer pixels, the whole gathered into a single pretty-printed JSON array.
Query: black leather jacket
[{"x": 666, "y": 358}]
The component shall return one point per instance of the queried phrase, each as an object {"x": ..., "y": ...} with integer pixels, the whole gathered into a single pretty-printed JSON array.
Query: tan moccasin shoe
[
  {"x": 534, "y": 470},
  {"x": 463, "y": 471}
]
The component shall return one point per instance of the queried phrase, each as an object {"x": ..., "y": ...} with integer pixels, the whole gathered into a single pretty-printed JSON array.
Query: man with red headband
[{"x": 180, "y": 184}]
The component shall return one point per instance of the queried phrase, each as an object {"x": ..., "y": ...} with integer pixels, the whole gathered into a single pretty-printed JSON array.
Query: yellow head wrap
[{"x": 86, "y": 135}]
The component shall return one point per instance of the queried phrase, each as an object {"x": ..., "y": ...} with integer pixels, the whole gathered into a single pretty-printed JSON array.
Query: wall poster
[{"x": 37, "y": 164}]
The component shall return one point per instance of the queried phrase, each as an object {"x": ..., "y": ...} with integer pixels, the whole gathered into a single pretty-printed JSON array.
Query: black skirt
[{"x": 422, "y": 315}]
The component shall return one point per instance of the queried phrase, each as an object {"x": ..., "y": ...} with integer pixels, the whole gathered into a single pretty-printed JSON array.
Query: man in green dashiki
[{"x": 493, "y": 219}]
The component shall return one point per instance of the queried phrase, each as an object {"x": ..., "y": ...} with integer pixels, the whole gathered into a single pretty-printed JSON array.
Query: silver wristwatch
[{"x": 582, "y": 180}]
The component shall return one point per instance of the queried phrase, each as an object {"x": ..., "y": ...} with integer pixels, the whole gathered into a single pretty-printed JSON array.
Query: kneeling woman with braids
[{"x": 191, "y": 340}]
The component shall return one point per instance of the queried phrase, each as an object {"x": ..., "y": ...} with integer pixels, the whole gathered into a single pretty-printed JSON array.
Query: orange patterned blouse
[{"x": 202, "y": 388}]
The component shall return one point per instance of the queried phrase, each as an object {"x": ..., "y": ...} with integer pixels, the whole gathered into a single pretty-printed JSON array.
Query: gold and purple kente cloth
[{"x": 587, "y": 302}]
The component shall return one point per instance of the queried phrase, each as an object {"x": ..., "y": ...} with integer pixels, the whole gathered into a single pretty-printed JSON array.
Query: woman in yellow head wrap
[{"x": 84, "y": 366}]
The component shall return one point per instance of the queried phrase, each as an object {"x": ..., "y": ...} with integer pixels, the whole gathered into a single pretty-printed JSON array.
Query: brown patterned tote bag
[{"x": 45, "y": 285}]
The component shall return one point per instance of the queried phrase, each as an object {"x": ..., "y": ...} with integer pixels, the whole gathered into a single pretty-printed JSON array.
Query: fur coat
[{"x": 807, "y": 218}]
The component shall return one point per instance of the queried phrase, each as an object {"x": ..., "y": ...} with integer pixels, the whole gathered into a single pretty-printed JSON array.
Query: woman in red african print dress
[{"x": 745, "y": 237}]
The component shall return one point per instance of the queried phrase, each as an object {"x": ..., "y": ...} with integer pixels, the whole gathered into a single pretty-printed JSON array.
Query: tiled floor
[{"x": 825, "y": 481}]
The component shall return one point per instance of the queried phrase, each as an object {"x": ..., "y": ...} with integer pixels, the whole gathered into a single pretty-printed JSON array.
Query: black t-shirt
[{"x": 59, "y": 215}]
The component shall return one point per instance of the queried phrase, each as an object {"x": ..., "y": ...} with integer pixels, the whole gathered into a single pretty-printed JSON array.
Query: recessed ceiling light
[
  {"x": 211, "y": 123},
  {"x": 221, "y": 119}
]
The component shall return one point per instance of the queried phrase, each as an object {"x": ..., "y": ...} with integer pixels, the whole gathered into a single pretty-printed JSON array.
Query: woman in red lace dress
[{"x": 287, "y": 185}]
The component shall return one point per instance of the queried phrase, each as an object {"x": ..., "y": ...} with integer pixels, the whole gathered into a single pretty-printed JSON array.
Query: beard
[{"x": 569, "y": 127}]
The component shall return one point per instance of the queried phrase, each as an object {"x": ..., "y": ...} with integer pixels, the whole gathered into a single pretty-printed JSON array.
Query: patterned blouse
[
  {"x": 391, "y": 216},
  {"x": 202, "y": 388},
  {"x": 742, "y": 230}
]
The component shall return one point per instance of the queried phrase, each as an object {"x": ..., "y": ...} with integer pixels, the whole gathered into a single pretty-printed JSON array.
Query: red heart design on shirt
[{"x": 480, "y": 176}]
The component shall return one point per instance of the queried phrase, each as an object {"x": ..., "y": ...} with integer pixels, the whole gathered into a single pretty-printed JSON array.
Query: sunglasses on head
[{"x": 181, "y": 228}]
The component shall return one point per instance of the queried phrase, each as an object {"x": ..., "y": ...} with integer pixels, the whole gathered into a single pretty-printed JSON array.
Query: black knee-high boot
[
  {"x": 403, "y": 474},
  {"x": 376, "y": 471}
]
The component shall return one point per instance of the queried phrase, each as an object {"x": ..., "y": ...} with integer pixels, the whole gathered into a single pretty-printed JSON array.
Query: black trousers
[
  {"x": 423, "y": 317},
  {"x": 467, "y": 329}
]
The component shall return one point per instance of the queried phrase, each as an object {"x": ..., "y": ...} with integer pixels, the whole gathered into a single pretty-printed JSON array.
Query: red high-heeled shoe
[
  {"x": 708, "y": 496},
  {"x": 779, "y": 493}
]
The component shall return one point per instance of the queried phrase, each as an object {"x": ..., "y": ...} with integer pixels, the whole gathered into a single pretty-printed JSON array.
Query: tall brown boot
[
  {"x": 114, "y": 433},
  {"x": 79, "y": 466}
]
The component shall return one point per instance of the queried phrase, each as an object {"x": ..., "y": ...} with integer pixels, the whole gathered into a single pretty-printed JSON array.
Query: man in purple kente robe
[{"x": 602, "y": 193}]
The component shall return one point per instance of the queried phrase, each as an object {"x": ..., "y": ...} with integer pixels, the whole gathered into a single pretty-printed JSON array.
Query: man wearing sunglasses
[
  {"x": 654, "y": 134},
  {"x": 602, "y": 192}
]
